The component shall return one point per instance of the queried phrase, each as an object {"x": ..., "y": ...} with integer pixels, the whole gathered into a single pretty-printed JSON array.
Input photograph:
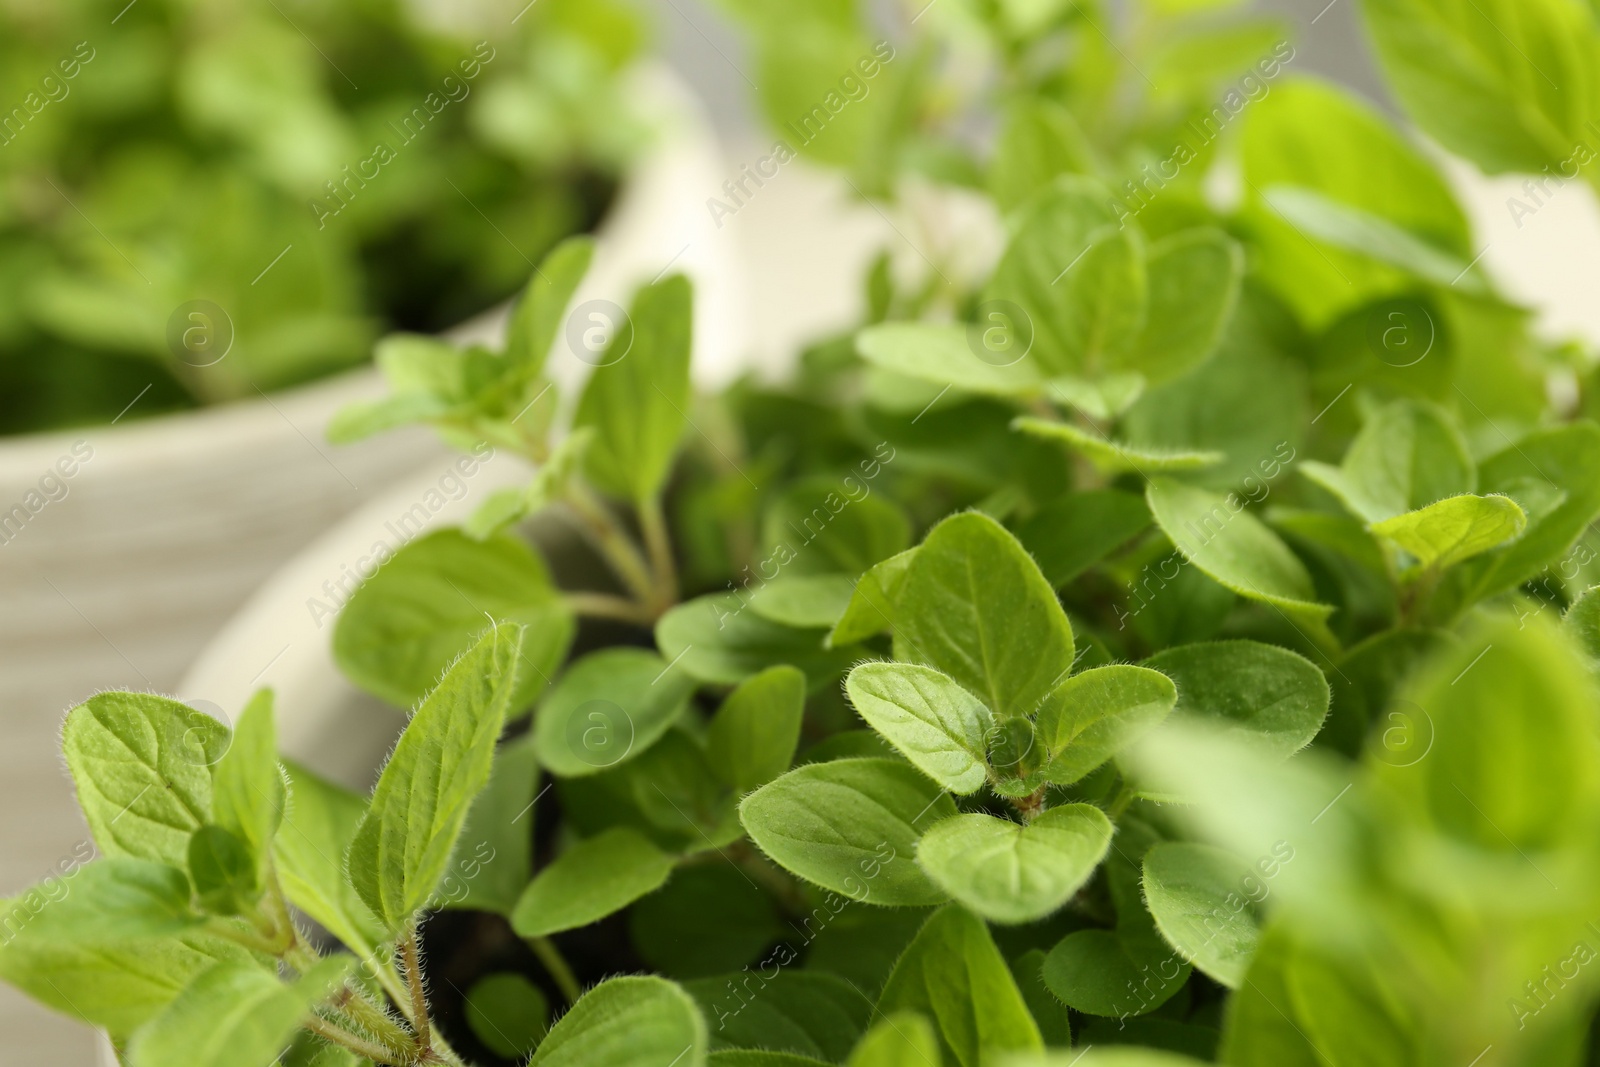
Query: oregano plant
[{"x": 1170, "y": 641}]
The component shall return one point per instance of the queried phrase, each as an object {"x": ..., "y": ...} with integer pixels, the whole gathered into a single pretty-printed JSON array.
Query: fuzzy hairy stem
[
  {"x": 1031, "y": 806},
  {"x": 411, "y": 965},
  {"x": 1125, "y": 796},
  {"x": 359, "y": 1045},
  {"x": 383, "y": 971},
  {"x": 375, "y": 1021}
]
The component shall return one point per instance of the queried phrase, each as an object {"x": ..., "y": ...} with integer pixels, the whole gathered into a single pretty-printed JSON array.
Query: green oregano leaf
[
  {"x": 975, "y": 606},
  {"x": 539, "y": 311},
  {"x": 115, "y": 985},
  {"x": 1407, "y": 455},
  {"x": 1079, "y": 278},
  {"x": 637, "y": 398},
  {"x": 721, "y": 639},
  {"x": 850, "y": 826},
  {"x": 1201, "y": 900},
  {"x": 1493, "y": 81},
  {"x": 944, "y": 355},
  {"x": 1055, "y": 1023},
  {"x": 1115, "y": 457},
  {"x": 795, "y": 1012},
  {"x": 234, "y": 1015},
  {"x": 1259, "y": 1027},
  {"x": 589, "y": 881},
  {"x": 1015, "y": 873},
  {"x": 1272, "y": 695},
  {"x": 310, "y": 854},
  {"x": 609, "y": 707},
  {"x": 1222, "y": 538},
  {"x": 932, "y": 721},
  {"x": 427, "y": 605},
  {"x": 1096, "y": 713},
  {"x": 494, "y": 855},
  {"x": 1039, "y": 140},
  {"x": 1582, "y": 622},
  {"x": 953, "y": 974},
  {"x": 899, "y": 1039},
  {"x": 1194, "y": 280},
  {"x": 1074, "y": 532},
  {"x": 248, "y": 789},
  {"x": 627, "y": 1022},
  {"x": 1555, "y": 467},
  {"x": 1455, "y": 529},
  {"x": 753, "y": 736},
  {"x": 109, "y": 901},
  {"x": 872, "y": 606},
  {"x": 508, "y": 1013},
  {"x": 833, "y": 526},
  {"x": 1513, "y": 764},
  {"x": 804, "y": 601},
  {"x": 404, "y": 842},
  {"x": 142, "y": 765},
  {"x": 227, "y": 880}
]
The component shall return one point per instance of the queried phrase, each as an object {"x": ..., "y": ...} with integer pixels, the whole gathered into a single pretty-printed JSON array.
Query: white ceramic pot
[{"x": 141, "y": 539}]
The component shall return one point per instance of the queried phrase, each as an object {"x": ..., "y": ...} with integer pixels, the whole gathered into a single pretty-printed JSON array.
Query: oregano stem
[
  {"x": 653, "y": 521},
  {"x": 282, "y": 921},
  {"x": 612, "y": 541},
  {"x": 252, "y": 941},
  {"x": 411, "y": 964},
  {"x": 383, "y": 971},
  {"x": 1125, "y": 796},
  {"x": 606, "y": 606},
  {"x": 359, "y": 1045},
  {"x": 375, "y": 1020},
  {"x": 556, "y": 964},
  {"x": 1031, "y": 806}
]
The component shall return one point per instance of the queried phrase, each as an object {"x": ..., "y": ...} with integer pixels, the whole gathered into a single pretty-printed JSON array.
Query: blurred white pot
[{"x": 128, "y": 565}]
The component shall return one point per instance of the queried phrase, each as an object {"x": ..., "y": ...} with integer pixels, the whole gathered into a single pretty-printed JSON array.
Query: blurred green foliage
[{"x": 319, "y": 172}]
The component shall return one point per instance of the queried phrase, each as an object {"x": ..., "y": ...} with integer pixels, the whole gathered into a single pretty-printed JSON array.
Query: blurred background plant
[{"x": 317, "y": 172}]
